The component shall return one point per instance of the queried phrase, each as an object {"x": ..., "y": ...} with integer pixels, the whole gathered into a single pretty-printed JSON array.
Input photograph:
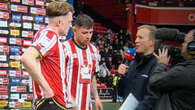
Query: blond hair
[
  {"x": 151, "y": 28},
  {"x": 58, "y": 8}
]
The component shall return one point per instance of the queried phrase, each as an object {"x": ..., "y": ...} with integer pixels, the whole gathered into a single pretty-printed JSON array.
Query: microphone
[{"x": 129, "y": 56}]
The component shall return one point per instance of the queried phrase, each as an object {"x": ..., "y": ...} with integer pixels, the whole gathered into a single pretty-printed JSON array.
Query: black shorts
[{"x": 50, "y": 104}]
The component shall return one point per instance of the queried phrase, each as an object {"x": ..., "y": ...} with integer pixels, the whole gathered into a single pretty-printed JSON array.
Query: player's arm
[
  {"x": 29, "y": 60},
  {"x": 94, "y": 88},
  {"x": 95, "y": 94}
]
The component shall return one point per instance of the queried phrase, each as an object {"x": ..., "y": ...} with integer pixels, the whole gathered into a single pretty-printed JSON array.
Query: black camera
[{"x": 175, "y": 36}]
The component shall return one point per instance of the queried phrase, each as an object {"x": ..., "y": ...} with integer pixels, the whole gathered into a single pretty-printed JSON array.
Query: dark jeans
[{"x": 49, "y": 104}]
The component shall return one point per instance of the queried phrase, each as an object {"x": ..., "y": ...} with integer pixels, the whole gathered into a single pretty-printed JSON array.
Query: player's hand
[
  {"x": 74, "y": 108},
  {"x": 48, "y": 92}
]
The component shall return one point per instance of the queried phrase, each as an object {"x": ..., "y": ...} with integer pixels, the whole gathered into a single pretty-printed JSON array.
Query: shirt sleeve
[
  {"x": 97, "y": 61},
  {"x": 45, "y": 42}
]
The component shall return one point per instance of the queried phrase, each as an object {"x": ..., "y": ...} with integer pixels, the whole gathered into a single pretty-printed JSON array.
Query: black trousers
[
  {"x": 114, "y": 94},
  {"x": 49, "y": 104}
]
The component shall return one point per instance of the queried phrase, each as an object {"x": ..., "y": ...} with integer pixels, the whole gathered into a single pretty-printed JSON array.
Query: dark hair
[
  {"x": 58, "y": 8},
  {"x": 83, "y": 21}
]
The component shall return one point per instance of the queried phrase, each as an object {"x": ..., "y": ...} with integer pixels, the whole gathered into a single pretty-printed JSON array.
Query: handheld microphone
[{"x": 129, "y": 56}]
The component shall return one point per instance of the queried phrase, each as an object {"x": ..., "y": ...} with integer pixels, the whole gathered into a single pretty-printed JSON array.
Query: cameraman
[
  {"x": 176, "y": 86},
  {"x": 136, "y": 74}
]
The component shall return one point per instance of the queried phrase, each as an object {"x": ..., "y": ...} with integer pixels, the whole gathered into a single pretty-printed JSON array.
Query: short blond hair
[
  {"x": 151, "y": 28},
  {"x": 58, "y": 8}
]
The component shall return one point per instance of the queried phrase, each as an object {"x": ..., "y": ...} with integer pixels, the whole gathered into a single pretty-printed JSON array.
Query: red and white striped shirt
[
  {"x": 80, "y": 64},
  {"x": 47, "y": 43}
]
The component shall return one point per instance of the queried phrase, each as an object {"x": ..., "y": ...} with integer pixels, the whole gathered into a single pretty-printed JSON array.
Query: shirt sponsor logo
[
  {"x": 45, "y": 42},
  {"x": 85, "y": 75}
]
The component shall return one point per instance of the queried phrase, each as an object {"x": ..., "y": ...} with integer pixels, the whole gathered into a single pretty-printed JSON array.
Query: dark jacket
[
  {"x": 176, "y": 86},
  {"x": 136, "y": 81}
]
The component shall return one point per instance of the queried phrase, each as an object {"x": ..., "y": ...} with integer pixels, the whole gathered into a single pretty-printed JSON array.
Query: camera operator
[
  {"x": 136, "y": 74},
  {"x": 176, "y": 86},
  {"x": 163, "y": 35}
]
